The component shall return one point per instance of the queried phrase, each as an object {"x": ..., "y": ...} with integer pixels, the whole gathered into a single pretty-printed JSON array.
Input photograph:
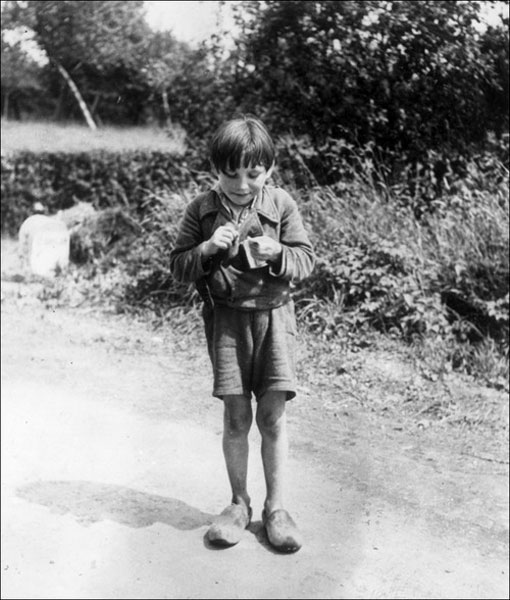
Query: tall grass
[
  {"x": 471, "y": 240},
  {"x": 39, "y": 136},
  {"x": 356, "y": 214},
  {"x": 440, "y": 282}
]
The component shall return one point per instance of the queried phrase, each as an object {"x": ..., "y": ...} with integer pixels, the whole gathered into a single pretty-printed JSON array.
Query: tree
[
  {"x": 20, "y": 77},
  {"x": 495, "y": 46},
  {"x": 165, "y": 58},
  {"x": 84, "y": 40},
  {"x": 408, "y": 76}
]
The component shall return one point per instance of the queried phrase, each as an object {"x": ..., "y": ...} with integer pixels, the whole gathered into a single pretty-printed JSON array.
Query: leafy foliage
[
  {"x": 105, "y": 179},
  {"x": 21, "y": 79},
  {"x": 113, "y": 56},
  {"x": 103, "y": 235},
  {"x": 407, "y": 76},
  {"x": 151, "y": 283}
]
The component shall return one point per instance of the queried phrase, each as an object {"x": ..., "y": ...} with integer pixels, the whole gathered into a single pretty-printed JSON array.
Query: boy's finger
[{"x": 227, "y": 233}]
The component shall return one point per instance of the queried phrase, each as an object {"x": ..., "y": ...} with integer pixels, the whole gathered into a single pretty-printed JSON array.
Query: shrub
[
  {"x": 469, "y": 246},
  {"x": 369, "y": 262},
  {"x": 108, "y": 231},
  {"x": 105, "y": 179},
  {"x": 442, "y": 277},
  {"x": 151, "y": 284}
]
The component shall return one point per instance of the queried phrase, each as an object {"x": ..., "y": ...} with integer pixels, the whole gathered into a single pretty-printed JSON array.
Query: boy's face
[{"x": 243, "y": 184}]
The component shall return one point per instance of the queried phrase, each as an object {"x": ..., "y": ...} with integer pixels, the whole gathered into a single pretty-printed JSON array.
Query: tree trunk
[
  {"x": 166, "y": 108},
  {"x": 77, "y": 95},
  {"x": 6, "y": 105},
  {"x": 60, "y": 102},
  {"x": 15, "y": 108},
  {"x": 93, "y": 109}
]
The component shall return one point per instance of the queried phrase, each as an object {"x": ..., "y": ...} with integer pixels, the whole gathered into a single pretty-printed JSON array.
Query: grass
[
  {"x": 41, "y": 136},
  {"x": 463, "y": 249}
]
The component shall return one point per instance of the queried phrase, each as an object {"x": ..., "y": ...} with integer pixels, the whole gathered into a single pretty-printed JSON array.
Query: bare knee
[
  {"x": 271, "y": 414},
  {"x": 269, "y": 424},
  {"x": 237, "y": 416}
]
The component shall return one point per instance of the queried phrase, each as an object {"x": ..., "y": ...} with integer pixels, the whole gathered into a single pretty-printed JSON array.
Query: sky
[
  {"x": 190, "y": 21},
  {"x": 194, "y": 21}
]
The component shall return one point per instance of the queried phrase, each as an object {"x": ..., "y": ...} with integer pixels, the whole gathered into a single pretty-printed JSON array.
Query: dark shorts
[{"x": 252, "y": 351}]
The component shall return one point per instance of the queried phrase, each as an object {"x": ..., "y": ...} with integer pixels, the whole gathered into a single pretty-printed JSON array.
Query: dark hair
[{"x": 243, "y": 140}]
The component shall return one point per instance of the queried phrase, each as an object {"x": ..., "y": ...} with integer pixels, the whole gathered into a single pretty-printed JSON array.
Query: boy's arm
[
  {"x": 186, "y": 260},
  {"x": 297, "y": 258}
]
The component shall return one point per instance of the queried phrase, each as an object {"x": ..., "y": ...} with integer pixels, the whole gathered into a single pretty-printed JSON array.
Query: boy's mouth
[{"x": 240, "y": 196}]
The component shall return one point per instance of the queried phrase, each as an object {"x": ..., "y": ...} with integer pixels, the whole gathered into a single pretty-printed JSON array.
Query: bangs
[{"x": 242, "y": 142}]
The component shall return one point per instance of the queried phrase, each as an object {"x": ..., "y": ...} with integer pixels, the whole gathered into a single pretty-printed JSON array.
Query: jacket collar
[{"x": 264, "y": 204}]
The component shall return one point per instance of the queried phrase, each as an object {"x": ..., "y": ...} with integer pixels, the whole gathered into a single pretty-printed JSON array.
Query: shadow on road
[{"x": 91, "y": 502}]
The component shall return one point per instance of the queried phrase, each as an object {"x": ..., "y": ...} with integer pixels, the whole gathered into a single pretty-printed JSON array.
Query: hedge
[{"x": 105, "y": 179}]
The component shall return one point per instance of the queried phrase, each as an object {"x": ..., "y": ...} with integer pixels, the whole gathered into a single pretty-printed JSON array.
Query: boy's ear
[{"x": 269, "y": 172}]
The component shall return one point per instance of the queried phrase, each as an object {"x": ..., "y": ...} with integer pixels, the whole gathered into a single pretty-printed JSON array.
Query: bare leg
[
  {"x": 281, "y": 529},
  {"x": 272, "y": 423},
  {"x": 237, "y": 420},
  {"x": 228, "y": 528}
]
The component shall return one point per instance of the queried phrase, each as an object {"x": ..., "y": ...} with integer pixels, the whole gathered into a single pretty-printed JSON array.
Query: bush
[
  {"x": 441, "y": 277},
  {"x": 105, "y": 179},
  {"x": 107, "y": 231},
  {"x": 152, "y": 285},
  {"x": 469, "y": 247},
  {"x": 369, "y": 263},
  {"x": 409, "y": 76}
]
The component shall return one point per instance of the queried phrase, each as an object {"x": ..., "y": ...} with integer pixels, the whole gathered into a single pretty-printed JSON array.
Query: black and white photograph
[{"x": 255, "y": 299}]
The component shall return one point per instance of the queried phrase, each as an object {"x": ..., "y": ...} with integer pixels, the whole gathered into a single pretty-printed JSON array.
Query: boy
[{"x": 243, "y": 243}]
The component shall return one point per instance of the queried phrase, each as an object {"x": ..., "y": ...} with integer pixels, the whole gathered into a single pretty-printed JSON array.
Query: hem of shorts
[
  {"x": 221, "y": 394},
  {"x": 291, "y": 392},
  {"x": 243, "y": 305}
]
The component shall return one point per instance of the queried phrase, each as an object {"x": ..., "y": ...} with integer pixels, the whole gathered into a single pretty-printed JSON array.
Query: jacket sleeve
[
  {"x": 185, "y": 259},
  {"x": 298, "y": 257}
]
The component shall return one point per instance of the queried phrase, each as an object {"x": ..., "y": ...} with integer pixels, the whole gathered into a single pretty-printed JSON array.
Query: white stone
[{"x": 44, "y": 245}]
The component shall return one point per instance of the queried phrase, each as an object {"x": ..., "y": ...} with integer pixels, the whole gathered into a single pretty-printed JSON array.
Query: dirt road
[{"x": 112, "y": 470}]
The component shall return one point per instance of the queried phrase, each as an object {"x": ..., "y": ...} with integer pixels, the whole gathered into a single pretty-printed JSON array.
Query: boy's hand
[
  {"x": 264, "y": 248},
  {"x": 221, "y": 239}
]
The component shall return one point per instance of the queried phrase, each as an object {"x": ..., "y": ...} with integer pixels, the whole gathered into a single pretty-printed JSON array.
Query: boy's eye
[{"x": 251, "y": 174}]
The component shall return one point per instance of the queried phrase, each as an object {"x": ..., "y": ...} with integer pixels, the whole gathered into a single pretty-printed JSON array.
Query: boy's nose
[{"x": 243, "y": 185}]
